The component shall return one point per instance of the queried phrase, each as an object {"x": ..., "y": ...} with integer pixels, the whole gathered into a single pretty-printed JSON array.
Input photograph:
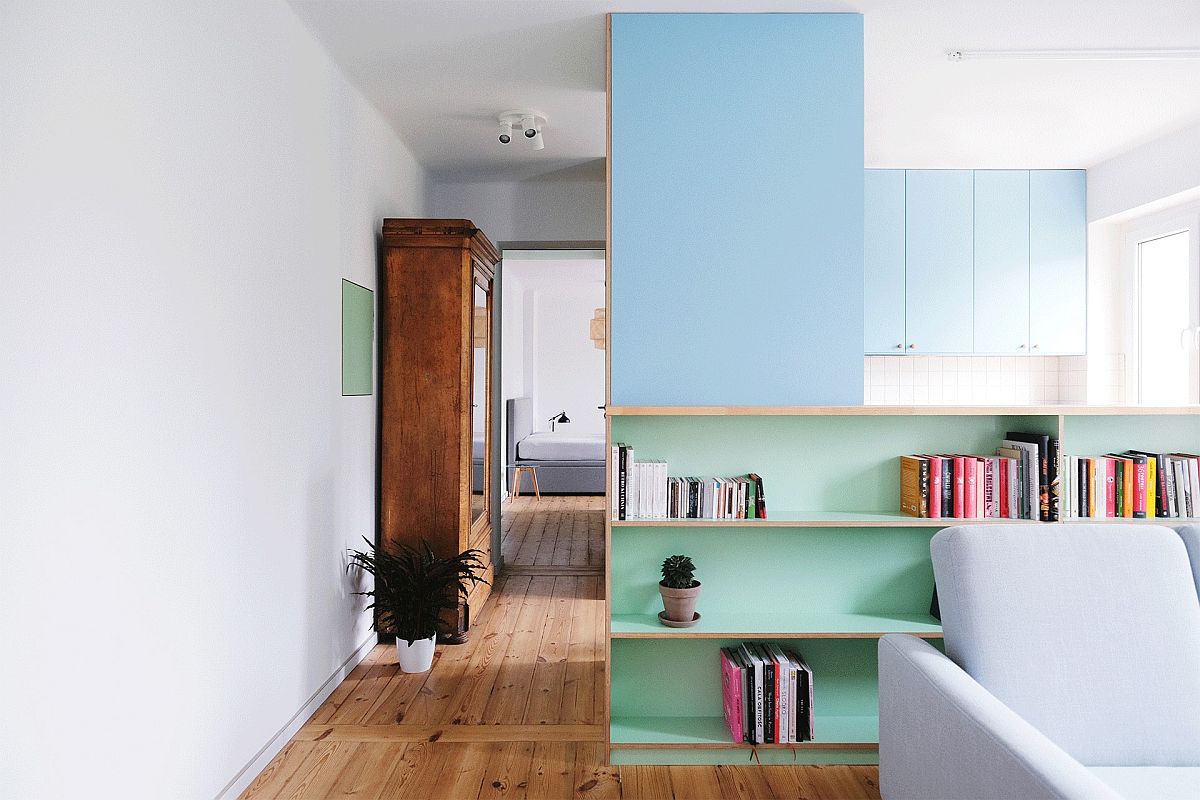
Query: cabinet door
[
  {"x": 884, "y": 253},
  {"x": 1002, "y": 261},
  {"x": 1057, "y": 261},
  {"x": 938, "y": 294}
]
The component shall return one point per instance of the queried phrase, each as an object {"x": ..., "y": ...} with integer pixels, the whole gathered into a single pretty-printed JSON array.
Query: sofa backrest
[
  {"x": 1091, "y": 632},
  {"x": 1191, "y": 540}
]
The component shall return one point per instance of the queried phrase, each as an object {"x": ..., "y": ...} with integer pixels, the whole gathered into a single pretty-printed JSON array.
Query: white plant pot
[{"x": 415, "y": 657}]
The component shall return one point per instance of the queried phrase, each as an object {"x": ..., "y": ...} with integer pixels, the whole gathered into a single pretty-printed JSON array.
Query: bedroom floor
[{"x": 518, "y": 711}]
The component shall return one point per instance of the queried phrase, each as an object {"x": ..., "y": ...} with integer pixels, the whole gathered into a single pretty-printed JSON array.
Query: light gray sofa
[{"x": 1072, "y": 668}]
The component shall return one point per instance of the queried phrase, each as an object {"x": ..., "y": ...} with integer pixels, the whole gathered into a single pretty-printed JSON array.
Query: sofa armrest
[{"x": 942, "y": 736}]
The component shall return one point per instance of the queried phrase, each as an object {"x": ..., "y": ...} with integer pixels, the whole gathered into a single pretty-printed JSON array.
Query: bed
[{"x": 566, "y": 463}]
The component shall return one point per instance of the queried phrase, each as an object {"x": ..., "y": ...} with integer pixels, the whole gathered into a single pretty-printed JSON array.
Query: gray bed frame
[{"x": 555, "y": 477}]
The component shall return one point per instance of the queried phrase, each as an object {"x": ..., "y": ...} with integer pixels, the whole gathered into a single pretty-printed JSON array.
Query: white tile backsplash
[{"x": 955, "y": 380}]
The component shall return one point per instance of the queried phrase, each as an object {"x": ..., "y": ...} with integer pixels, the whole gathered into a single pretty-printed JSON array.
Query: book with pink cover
[{"x": 731, "y": 695}]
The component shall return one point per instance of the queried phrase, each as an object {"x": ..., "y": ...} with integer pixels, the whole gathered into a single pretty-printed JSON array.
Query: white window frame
[{"x": 1144, "y": 229}]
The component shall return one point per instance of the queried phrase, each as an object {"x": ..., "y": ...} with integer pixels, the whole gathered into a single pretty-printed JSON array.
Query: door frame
[{"x": 497, "y": 454}]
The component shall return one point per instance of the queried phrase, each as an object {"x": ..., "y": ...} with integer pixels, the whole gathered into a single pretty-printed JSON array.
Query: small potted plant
[
  {"x": 412, "y": 587},
  {"x": 679, "y": 589}
]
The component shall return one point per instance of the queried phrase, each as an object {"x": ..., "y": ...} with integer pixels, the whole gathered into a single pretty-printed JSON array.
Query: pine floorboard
[{"x": 519, "y": 711}]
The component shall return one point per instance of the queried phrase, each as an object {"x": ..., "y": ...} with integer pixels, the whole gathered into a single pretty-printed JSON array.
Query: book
[
  {"x": 970, "y": 491},
  {"x": 1002, "y": 487},
  {"x": 947, "y": 486},
  {"x": 1053, "y": 457},
  {"x": 1042, "y": 464},
  {"x": 959, "y": 487},
  {"x": 759, "y": 497},
  {"x": 934, "y": 503},
  {"x": 809, "y": 726},
  {"x": 756, "y": 668},
  {"x": 989, "y": 487},
  {"x": 912, "y": 502},
  {"x": 1030, "y": 477},
  {"x": 783, "y": 693},
  {"x": 731, "y": 688}
]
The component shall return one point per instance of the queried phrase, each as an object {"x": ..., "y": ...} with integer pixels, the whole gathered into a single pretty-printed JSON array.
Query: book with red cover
[
  {"x": 1110, "y": 487},
  {"x": 958, "y": 486},
  {"x": 1002, "y": 483},
  {"x": 935, "y": 486},
  {"x": 731, "y": 690},
  {"x": 970, "y": 479}
]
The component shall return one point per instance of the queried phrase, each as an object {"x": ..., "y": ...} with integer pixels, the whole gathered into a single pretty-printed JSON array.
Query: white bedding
[{"x": 561, "y": 447}]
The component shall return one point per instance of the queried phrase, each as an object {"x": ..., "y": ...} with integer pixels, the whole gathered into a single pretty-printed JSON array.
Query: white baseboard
[{"x": 249, "y": 772}]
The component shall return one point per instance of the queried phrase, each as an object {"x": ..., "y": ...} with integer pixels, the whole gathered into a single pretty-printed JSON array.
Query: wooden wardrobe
[{"x": 435, "y": 420}]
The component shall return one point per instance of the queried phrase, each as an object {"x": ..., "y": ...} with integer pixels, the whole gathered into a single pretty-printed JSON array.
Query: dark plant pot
[{"x": 679, "y": 604}]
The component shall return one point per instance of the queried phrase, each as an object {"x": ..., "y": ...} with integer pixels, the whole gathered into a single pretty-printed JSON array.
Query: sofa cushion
[
  {"x": 1152, "y": 783},
  {"x": 1089, "y": 632}
]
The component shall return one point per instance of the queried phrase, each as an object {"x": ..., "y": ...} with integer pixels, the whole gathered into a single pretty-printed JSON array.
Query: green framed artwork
[{"x": 358, "y": 338}]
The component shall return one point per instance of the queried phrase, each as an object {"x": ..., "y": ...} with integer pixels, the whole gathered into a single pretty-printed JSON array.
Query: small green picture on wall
[{"x": 358, "y": 338}]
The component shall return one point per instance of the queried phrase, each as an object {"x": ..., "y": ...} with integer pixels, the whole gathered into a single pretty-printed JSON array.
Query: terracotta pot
[
  {"x": 680, "y": 604},
  {"x": 415, "y": 657}
]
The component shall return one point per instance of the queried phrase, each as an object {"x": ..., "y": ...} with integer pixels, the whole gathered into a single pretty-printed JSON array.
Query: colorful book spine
[{"x": 732, "y": 701}]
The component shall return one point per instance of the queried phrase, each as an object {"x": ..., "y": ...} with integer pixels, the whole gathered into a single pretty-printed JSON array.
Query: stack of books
[
  {"x": 1020, "y": 481},
  {"x": 767, "y": 693},
  {"x": 1134, "y": 484},
  {"x": 644, "y": 490}
]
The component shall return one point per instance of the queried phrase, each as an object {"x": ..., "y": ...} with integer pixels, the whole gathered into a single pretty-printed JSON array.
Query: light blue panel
[
  {"x": 737, "y": 209},
  {"x": 1002, "y": 261},
  {"x": 883, "y": 224},
  {"x": 1058, "y": 260},
  {"x": 939, "y": 232}
]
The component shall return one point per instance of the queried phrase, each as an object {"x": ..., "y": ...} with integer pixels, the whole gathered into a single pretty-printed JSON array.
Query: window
[
  {"x": 1163, "y": 323},
  {"x": 1165, "y": 336}
]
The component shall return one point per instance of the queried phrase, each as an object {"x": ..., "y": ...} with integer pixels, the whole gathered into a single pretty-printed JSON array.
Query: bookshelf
[{"x": 833, "y": 568}]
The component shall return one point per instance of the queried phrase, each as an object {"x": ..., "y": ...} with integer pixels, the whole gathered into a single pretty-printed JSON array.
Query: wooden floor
[{"x": 518, "y": 711}]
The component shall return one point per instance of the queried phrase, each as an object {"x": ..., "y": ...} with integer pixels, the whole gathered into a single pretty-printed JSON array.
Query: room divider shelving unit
[{"x": 834, "y": 567}]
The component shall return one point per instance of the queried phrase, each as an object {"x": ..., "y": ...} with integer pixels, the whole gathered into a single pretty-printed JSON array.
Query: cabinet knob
[
  {"x": 1035, "y": 347},
  {"x": 1020, "y": 347},
  {"x": 912, "y": 347},
  {"x": 899, "y": 347}
]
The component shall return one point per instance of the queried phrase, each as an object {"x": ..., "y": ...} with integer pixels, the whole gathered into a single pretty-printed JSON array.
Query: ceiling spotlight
[{"x": 530, "y": 123}]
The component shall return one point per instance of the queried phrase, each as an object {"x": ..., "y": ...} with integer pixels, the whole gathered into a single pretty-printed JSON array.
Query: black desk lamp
[{"x": 559, "y": 417}]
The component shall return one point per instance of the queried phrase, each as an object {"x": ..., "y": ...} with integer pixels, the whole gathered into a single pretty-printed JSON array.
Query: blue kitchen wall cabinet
[
  {"x": 736, "y": 209},
  {"x": 975, "y": 261}
]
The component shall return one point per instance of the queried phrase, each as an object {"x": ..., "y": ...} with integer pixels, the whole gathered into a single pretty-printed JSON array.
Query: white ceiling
[{"x": 442, "y": 71}]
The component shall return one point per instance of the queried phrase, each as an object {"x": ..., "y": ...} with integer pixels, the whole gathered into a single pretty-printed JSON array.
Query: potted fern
[
  {"x": 679, "y": 589},
  {"x": 412, "y": 587}
]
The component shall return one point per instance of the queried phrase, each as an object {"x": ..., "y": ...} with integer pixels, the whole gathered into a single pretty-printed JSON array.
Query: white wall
[
  {"x": 526, "y": 211},
  {"x": 547, "y": 355},
  {"x": 182, "y": 186},
  {"x": 1156, "y": 170}
]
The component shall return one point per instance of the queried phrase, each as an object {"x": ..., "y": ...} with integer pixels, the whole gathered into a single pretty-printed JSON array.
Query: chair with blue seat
[{"x": 1072, "y": 668}]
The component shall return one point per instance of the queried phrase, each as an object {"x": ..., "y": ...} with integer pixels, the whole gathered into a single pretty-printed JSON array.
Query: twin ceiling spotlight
[{"x": 530, "y": 123}]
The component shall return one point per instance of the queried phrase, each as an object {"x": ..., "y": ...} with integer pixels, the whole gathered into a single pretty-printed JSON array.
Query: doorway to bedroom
[{"x": 551, "y": 414}]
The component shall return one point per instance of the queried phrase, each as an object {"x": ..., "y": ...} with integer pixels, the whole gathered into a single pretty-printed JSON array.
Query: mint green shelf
[
  {"x": 724, "y": 625},
  {"x": 813, "y": 466},
  {"x": 834, "y": 567},
  {"x": 832, "y": 731}
]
